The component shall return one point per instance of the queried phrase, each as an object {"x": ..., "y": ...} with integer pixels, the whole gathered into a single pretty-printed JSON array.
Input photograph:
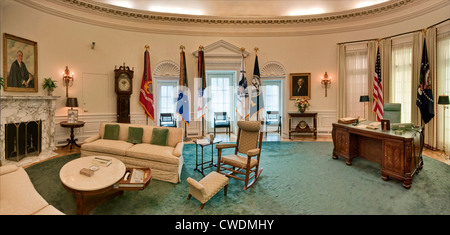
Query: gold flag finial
[
  {"x": 200, "y": 48},
  {"x": 147, "y": 47},
  {"x": 182, "y": 47},
  {"x": 256, "y": 50}
]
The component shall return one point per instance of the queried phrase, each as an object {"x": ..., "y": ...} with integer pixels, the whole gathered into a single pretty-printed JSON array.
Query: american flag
[{"x": 377, "y": 90}]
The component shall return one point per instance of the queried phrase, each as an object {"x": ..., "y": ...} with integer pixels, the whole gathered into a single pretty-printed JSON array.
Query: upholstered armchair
[
  {"x": 273, "y": 118},
  {"x": 246, "y": 157},
  {"x": 167, "y": 120},
  {"x": 221, "y": 120},
  {"x": 393, "y": 112}
]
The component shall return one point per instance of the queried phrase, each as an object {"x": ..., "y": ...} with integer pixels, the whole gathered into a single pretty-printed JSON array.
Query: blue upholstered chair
[
  {"x": 393, "y": 112},
  {"x": 167, "y": 120}
]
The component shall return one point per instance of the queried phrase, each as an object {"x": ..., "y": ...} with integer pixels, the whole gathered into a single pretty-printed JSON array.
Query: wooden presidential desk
[{"x": 400, "y": 156}]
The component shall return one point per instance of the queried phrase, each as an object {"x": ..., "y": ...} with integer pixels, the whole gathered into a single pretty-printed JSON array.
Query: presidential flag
[
  {"x": 183, "y": 91},
  {"x": 146, "y": 92},
  {"x": 242, "y": 94},
  {"x": 377, "y": 105},
  {"x": 256, "y": 101},
  {"x": 424, "y": 93},
  {"x": 201, "y": 107}
]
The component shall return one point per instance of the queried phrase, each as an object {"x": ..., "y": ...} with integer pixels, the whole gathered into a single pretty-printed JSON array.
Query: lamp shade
[
  {"x": 364, "y": 98},
  {"x": 443, "y": 99},
  {"x": 71, "y": 102}
]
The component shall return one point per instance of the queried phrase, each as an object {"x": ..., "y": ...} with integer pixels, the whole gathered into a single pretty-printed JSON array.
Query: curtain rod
[{"x": 366, "y": 40}]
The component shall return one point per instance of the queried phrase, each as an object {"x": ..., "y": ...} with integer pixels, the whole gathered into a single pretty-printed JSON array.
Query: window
[
  {"x": 401, "y": 78},
  {"x": 443, "y": 77},
  {"x": 357, "y": 82},
  {"x": 272, "y": 95},
  {"x": 220, "y": 95},
  {"x": 167, "y": 94}
]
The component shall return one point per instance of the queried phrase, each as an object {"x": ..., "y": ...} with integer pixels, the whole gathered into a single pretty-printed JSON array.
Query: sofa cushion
[
  {"x": 159, "y": 136},
  {"x": 135, "y": 135},
  {"x": 153, "y": 153},
  {"x": 117, "y": 147},
  {"x": 18, "y": 195},
  {"x": 111, "y": 132}
]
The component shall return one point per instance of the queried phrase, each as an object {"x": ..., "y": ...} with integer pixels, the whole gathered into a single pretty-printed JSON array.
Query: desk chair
[
  {"x": 167, "y": 120},
  {"x": 221, "y": 120},
  {"x": 273, "y": 118},
  {"x": 393, "y": 112}
]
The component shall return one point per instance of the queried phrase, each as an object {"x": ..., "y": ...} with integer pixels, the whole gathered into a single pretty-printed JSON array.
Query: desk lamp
[{"x": 365, "y": 99}]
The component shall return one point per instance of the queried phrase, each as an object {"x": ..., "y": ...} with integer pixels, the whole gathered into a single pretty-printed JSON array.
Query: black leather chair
[
  {"x": 221, "y": 120},
  {"x": 167, "y": 120},
  {"x": 273, "y": 118}
]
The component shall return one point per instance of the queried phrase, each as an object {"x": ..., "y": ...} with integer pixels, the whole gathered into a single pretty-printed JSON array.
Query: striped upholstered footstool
[{"x": 207, "y": 187}]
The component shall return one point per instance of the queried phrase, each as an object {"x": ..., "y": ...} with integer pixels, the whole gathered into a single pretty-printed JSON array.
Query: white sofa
[
  {"x": 165, "y": 162},
  {"x": 18, "y": 195}
]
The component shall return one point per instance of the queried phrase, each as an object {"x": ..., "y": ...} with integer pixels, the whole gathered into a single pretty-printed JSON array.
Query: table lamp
[
  {"x": 443, "y": 100},
  {"x": 365, "y": 99},
  {"x": 72, "y": 114}
]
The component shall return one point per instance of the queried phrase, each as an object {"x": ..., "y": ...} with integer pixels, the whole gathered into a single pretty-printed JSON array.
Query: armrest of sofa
[
  {"x": 92, "y": 138},
  {"x": 7, "y": 169},
  {"x": 178, "y": 149}
]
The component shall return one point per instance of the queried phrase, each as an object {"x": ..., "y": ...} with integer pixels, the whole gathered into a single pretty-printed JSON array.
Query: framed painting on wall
[
  {"x": 20, "y": 64},
  {"x": 300, "y": 85}
]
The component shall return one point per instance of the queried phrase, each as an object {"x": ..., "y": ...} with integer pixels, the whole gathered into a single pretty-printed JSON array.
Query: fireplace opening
[{"x": 23, "y": 139}]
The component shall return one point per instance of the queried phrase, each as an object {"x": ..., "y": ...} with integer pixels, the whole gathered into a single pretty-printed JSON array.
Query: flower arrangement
[{"x": 302, "y": 104}]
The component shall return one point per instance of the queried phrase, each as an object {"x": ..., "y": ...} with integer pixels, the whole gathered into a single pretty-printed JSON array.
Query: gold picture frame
[
  {"x": 300, "y": 91},
  {"x": 17, "y": 50}
]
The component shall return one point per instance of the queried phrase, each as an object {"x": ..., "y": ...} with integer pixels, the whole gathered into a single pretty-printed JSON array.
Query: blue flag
[
  {"x": 256, "y": 101},
  {"x": 424, "y": 93},
  {"x": 183, "y": 96}
]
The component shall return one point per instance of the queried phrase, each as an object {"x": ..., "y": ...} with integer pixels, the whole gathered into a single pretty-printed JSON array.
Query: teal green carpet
[{"x": 298, "y": 178}]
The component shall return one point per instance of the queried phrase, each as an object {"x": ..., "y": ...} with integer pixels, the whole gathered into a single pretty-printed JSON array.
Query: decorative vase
[
  {"x": 49, "y": 92},
  {"x": 301, "y": 109}
]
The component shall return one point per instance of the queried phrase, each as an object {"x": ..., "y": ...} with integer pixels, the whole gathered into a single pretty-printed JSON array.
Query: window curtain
[
  {"x": 386, "y": 58},
  {"x": 371, "y": 60},
  {"x": 342, "y": 104},
  {"x": 401, "y": 79},
  {"x": 356, "y": 82},
  {"x": 443, "y": 87}
]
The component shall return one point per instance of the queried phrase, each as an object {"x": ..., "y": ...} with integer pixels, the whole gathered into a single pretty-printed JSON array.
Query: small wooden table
[
  {"x": 202, "y": 145},
  {"x": 303, "y": 128},
  {"x": 72, "y": 141}
]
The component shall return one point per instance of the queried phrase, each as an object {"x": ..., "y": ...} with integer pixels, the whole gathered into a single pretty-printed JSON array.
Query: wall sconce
[
  {"x": 326, "y": 81},
  {"x": 67, "y": 80}
]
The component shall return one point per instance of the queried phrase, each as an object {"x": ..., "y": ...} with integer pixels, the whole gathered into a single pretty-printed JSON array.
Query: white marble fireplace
[{"x": 21, "y": 108}]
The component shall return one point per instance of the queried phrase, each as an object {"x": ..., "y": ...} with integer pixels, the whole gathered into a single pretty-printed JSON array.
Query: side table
[
  {"x": 202, "y": 144},
  {"x": 72, "y": 141},
  {"x": 302, "y": 127}
]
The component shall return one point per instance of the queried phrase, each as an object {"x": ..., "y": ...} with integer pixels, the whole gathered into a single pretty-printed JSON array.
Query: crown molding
[{"x": 105, "y": 15}]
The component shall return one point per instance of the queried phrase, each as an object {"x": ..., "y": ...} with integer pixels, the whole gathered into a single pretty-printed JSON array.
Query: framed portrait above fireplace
[{"x": 20, "y": 64}]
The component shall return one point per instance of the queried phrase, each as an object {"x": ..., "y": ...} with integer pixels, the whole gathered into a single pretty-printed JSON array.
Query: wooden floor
[{"x": 438, "y": 155}]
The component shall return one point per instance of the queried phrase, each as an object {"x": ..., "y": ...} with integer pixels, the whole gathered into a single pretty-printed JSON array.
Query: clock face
[
  {"x": 124, "y": 82},
  {"x": 303, "y": 124}
]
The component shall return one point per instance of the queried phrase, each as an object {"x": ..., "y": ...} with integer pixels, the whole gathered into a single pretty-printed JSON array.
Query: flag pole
[
  {"x": 257, "y": 98},
  {"x": 185, "y": 124}
]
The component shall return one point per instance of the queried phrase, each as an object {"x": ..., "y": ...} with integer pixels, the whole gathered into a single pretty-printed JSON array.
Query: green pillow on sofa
[
  {"x": 135, "y": 135},
  {"x": 111, "y": 132},
  {"x": 159, "y": 136}
]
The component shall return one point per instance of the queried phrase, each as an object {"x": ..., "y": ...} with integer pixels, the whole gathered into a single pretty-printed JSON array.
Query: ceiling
[{"x": 244, "y": 8}]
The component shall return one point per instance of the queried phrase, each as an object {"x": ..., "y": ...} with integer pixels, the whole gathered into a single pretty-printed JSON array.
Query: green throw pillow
[
  {"x": 159, "y": 136},
  {"x": 111, "y": 132},
  {"x": 135, "y": 135}
]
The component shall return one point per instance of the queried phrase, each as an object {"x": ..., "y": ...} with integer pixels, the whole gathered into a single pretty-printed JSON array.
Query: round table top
[
  {"x": 72, "y": 124},
  {"x": 104, "y": 177}
]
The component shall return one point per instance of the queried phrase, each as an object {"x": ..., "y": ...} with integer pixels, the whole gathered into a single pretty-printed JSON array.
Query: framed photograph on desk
[
  {"x": 72, "y": 115},
  {"x": 300, "y": 85}
]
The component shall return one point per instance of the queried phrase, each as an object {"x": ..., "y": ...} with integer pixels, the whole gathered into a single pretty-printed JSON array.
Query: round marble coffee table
[{"x": 93, "y": 190}]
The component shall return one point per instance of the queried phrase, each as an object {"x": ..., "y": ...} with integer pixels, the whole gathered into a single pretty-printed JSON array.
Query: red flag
[
  {"x": 378, "y": 90},
  {"x": 146, "y": 96}
]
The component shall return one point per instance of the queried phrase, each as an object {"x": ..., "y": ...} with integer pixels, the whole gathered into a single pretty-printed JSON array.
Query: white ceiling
[{"x": 244, "y": 8}]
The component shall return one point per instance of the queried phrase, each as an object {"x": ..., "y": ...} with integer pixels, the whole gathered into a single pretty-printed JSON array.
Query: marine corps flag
[
  {"x": 256, "y": 101},
  {"x": 146, "y": 92},
  {"x": 424, "y": 93},
  {"x": 183, "y": 96}
]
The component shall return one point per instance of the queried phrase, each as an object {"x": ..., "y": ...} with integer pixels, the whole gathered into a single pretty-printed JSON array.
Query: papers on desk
[
  {"x": 203, "y": 141},
  {"x": 374, "y": 125}
]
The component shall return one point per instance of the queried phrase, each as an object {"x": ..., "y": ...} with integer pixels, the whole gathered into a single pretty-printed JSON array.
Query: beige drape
[
  {"x": 371, "y": 60},
  {"x": 342, "y": 79}
]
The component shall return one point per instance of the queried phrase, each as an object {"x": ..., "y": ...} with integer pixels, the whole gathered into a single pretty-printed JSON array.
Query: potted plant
[
  {"x": 49, "y": 85},
  {"x": 302, "y": 104}
]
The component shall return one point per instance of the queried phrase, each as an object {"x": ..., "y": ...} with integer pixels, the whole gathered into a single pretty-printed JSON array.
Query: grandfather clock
[{"x": 124, "y": 87}]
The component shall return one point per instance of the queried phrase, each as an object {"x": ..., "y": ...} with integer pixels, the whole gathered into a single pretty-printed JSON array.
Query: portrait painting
[
  {"x": 300, "y": 85},
  {"x": 20, "y": 64}
]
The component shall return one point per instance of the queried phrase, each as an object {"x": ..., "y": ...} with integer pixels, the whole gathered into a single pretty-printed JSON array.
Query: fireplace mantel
[{"x": 24, "y": 108}]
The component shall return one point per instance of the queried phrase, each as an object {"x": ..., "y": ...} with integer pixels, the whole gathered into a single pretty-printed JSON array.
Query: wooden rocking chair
[{"x": 248, "y": 136}]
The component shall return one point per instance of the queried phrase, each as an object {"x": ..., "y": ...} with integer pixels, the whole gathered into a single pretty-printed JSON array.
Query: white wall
[{"x": 62, "y": 42}]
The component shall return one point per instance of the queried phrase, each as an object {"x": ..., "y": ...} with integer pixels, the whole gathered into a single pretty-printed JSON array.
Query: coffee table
[{"x": 93, "y": 190}]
